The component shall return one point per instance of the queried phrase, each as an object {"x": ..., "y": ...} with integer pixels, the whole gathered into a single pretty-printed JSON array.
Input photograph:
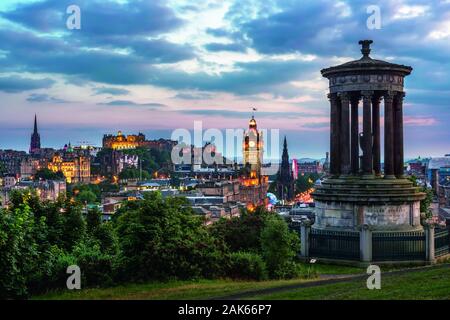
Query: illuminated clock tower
[{"x": 253, "y": 150}]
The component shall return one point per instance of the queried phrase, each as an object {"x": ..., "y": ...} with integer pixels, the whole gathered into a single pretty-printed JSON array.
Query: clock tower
[{"x": 253, "y": 150}]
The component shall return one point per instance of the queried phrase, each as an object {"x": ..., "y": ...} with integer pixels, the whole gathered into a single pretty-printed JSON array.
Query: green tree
[
  {"x": 47, "y": 174},
  {"x": 93, "y": 220},
  {"x": 74, "y": 225},
  {"x": 305, "y": 182},
  {"x": 86, "y": 196},
  {"x": 280, "y": 247},
  {"x": 242, "y": 233},
  {"x": 162, "y": 238},
  {"x": 132, "y": 173}
]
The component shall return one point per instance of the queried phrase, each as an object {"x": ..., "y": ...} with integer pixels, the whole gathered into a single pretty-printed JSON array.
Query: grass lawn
[
  {"x": 198, "y": 289},
  {"x": 422, "y": 284}
]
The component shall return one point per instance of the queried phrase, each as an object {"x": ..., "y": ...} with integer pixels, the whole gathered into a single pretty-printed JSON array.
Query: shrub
[
  {"x": 242, "y": 233},
  {"x": 246, "y": 265},
  {"x": 162, "y": 239},
  {"x": 96, "y": 267},
  {"x": 279, "y": 248}
]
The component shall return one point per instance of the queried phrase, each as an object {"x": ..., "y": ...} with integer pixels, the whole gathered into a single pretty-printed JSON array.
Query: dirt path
[{"x": 328, "y": 279}]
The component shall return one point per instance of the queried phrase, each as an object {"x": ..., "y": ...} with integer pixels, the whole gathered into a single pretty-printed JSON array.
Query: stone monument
[{"x": 357, "y": 192}]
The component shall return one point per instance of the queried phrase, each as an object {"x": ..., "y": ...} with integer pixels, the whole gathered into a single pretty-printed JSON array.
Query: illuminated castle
[{"x": 133, "y": 141}]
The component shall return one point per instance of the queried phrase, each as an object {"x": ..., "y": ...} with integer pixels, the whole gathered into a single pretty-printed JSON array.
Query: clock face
[{"x": 252, "y": 144}]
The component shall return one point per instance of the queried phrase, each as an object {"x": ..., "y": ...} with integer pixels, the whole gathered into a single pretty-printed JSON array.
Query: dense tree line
[{"x": 150, "y": 239}]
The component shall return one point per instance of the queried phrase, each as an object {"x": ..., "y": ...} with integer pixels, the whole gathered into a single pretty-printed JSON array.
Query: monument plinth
[{"x": 357, "y": 192}]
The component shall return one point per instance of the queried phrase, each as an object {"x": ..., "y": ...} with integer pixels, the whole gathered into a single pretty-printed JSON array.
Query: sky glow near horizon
[{"x": 154, "y": 66}]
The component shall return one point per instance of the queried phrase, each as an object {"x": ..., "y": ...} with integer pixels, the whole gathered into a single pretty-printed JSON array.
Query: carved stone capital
[
  {"x": 389, "y": 96},
  {"x": 400, "y": 96},
  {"x": 344, "y": 96},
  {"x": 367, "y": 94},
  {"x": 332, "y": 97}
]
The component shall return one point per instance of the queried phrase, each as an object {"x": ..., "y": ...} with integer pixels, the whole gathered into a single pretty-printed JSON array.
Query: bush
[
  {"x": 246, "y": 265},
  {"x": 279, "y": 248},
  {"x": 242, "y": 233},
  {"x": 96, "y": 267},
  {"x": 162, "y": 239}
]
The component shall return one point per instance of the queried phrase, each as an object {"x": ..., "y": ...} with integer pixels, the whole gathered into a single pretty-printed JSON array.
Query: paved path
[{"x": 332, "y": 279}]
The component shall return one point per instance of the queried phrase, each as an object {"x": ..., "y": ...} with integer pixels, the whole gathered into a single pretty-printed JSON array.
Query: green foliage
[
  {"x": 47, "y": 174},
  {"x": 86, "y": 197},
  {"x": 305, "y": 182},
  {"x": 265, "y": 234},
  {"x": 162, "y": 238},
  {"x": 86, "y": 192},
  {"x": 3, "y": 169},
  {"x": 154, "y": 238},
  {"x": 246, "y": 265},
  {"x": 279, "y": 248},
  {"x": 18, "y": 251},
  {"x": 96, "y": 267},
  {"x": 93, "y": 220},
  {"x": 151, "y": 159},
  {"x": 74, "y": 225},
  {"x": 132, "y": 173},
  {"x": 242, "y": 233}
]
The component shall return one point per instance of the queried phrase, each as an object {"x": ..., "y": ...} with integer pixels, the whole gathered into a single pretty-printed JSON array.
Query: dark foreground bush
[{"x": 246, "y": 265}]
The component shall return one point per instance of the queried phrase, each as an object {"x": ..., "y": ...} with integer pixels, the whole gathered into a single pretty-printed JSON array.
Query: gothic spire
[{"x": 35, "y": 124}]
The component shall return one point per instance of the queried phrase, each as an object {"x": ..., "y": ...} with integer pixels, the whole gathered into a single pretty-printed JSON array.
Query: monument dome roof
[{"x": 366, "y": 63}]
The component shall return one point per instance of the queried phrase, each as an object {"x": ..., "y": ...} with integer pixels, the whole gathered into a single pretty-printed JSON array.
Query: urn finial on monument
[{"x": 365, "y": 50}]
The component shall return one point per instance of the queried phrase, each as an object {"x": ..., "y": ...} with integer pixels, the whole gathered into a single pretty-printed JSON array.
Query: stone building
[
  {"x": 133, "y": 141},
  {"x": 76, "y": 168}
]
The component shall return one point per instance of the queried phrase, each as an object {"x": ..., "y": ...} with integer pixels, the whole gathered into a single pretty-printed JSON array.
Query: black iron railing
[
  {"x": 398, "y": 246},
  {"x": 334, "y": 244},
  {"x": 441, "y": 241}
]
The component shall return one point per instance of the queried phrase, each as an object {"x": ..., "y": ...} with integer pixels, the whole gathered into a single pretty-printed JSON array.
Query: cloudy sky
[{"x": 154, "y": 66}]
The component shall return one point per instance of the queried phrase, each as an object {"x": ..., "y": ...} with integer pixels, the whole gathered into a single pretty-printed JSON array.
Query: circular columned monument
[{"x": 358, "y": 192}]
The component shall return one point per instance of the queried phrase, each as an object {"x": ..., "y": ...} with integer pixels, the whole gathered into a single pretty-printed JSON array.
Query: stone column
[
  {"x": 398, "y": 135},
  {"x": 305, "y": 229},
  {"x": 334, "y": 135},
  {"x": 345, "y": 133},
  {"x": 429, "y": 242},
  {"x": 365, "y": 243},
  {"x": 376, "y": 149},
  {"x": 354, "y": 136},
  {"x": 367, "y": 164},
  {"x": 389, "y": 135}
]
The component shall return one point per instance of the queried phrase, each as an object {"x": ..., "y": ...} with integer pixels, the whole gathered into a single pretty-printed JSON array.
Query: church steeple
[
  {"x": 285, "y": 179},
  {"x": 35, "y": 143},
  {"x": 35, "y": 124}
]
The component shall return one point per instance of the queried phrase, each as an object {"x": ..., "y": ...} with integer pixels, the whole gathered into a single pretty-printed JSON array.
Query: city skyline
[{"x": 212, "y": 62}]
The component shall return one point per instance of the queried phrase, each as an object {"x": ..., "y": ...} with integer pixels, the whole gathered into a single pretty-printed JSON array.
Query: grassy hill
[{"x": 422, "y": 283}]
